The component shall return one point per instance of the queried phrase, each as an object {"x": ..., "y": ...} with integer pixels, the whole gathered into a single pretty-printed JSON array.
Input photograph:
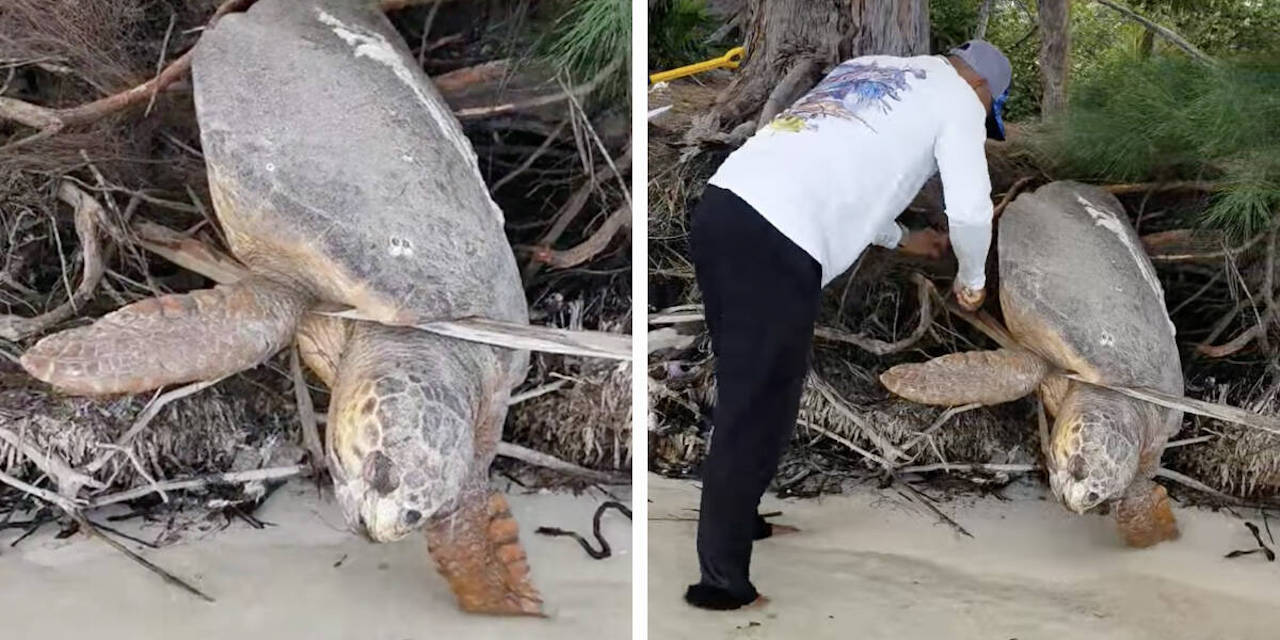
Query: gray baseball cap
[{"x": 994, "y": 67}]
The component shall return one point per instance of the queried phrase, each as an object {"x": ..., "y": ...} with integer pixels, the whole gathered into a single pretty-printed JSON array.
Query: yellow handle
[{"x": 730, "y": 60}]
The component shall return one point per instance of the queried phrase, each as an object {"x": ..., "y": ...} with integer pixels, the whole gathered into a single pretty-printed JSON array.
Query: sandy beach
[
  {"x": 306, "y": 577},
  {"x": 873, "y": 564}
]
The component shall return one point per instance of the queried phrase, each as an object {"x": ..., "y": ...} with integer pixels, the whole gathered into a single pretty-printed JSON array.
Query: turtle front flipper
[
  {"x": 477, "y": 549},
  {"x": 1144, "y": 515},
  {"x": 985, "y": 377},
  {"x": 201, "y": 335}
]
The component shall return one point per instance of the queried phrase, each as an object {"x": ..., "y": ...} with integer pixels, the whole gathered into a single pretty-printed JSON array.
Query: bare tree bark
[
  {"x": 1165, "y": 32},
  {"x": 781, "y": 34},
  {"x": 984, "y": 17},
  {"x": 1055, "y": 49}
]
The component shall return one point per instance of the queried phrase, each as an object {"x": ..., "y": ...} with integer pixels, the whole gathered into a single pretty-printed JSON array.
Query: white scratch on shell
[
  {"x": 1108, "y": 220},
  {"x": 376, "y": 48}
]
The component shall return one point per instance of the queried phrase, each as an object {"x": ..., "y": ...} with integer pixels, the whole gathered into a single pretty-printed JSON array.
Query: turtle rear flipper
[
  {"x": 202, "y": 335},
  {"x": 985, "y": 377},
  {"x": 1144, "y": 516},
  {"x": 477, "y": 549}
]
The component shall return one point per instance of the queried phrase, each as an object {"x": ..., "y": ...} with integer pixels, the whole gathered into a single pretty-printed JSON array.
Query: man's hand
[
  {"x": 927, "y": 242},
  {"x": 969, "y": 299}
]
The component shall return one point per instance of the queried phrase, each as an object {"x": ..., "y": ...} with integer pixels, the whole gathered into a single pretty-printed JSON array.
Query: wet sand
[
  {"x": 306, "y": 577},
  {"x": 873, "y": 564}
]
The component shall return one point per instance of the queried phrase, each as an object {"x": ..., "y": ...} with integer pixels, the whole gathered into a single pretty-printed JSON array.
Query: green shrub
[
  {"x": 589, "y": 37},
  {"x": 678, "y": 32},
  {"x": 1170, "y": 119}
]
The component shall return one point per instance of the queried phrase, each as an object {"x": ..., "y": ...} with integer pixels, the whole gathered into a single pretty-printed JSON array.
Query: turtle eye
[{"x": 1092, "y": 497}]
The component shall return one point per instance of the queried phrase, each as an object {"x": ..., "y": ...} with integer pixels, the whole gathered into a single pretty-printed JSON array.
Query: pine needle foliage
[
  {"x": 1172, "y": 119},
  {"x": 590, "y": 37},
  {"x": 678, "y": 32}
]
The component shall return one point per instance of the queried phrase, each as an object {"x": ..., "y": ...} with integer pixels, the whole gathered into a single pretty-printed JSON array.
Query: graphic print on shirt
[{"x": 852, "y": 88}]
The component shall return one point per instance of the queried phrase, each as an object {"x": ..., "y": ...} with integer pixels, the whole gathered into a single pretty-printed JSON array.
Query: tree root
[
  {"x": 49, "y": 122},
  {"x": 1009, "y": 195},
  {"x": 87, "y": 214},
  {"x": 924, "y": 293},
  {"x": 589, "y": 248}
]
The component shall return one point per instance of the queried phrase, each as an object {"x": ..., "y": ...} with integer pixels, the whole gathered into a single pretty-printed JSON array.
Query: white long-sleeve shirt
[{"x": 834, "y": 171}]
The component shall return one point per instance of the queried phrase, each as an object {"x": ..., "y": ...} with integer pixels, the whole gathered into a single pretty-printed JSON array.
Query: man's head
[{"x": 989, "y": 73}]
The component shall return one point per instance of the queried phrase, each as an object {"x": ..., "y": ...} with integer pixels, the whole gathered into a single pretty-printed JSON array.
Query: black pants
[{"x": 761, "y": 294}]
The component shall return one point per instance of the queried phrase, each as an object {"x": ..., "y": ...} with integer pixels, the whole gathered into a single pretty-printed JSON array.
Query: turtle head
[
  {"x": 1094, "y": 451},
  {"x": 400, "y": 451}
]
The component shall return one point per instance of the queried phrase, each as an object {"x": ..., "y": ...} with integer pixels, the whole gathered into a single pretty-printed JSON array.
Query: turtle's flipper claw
[
  {"x": 477, "y": 549},
  {"x": 1145, "y": 517}
]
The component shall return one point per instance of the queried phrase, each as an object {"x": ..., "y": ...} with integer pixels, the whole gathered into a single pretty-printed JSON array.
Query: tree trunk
[
  {"x": 1147, "y": 44},
  {"x": 984, "y": 17},
  {"x": 1055, "y": 48},
  {"x": 815, "y": 35}
]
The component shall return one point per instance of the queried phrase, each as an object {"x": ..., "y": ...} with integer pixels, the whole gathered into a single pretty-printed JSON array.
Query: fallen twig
[
  {"x": 1192, "y": 483},
  {"x": 144, "y": 418},
  {"x": 1257, "y": 331},
  {"x": 540, "y": 101},
  {"x": 306, "y": 413},
  {"x": 833, "y": 398},
  {"x": 535, "y": 392},
  {"x": 67, "y": 479},
  {"x": 1173, "y": 246},
  {"x": 62, "y": 502},
  {"x": 92, "y": 530},
  {"x": 539, "y": 459},
  {"x": 232, "y": 477},
  {"x": 941, "y": 420},
  {"x": 847, "y": 443},
  {"x": 970, "y": 467},
  {"x": 533, "y": 157},
  {"x": 928, "y": 502},
  {"x": 1181, "y": 185}
]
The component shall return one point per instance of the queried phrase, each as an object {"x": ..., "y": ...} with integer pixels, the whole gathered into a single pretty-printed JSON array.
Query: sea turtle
[
  {"x": 1080, "y": 296},
  {"x": 341, "y": 177}
]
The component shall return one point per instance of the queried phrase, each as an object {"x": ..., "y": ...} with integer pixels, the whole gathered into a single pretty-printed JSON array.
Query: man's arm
[
  {"x": 890, "y": 235},
  {"x": 966, "y": 187}
]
